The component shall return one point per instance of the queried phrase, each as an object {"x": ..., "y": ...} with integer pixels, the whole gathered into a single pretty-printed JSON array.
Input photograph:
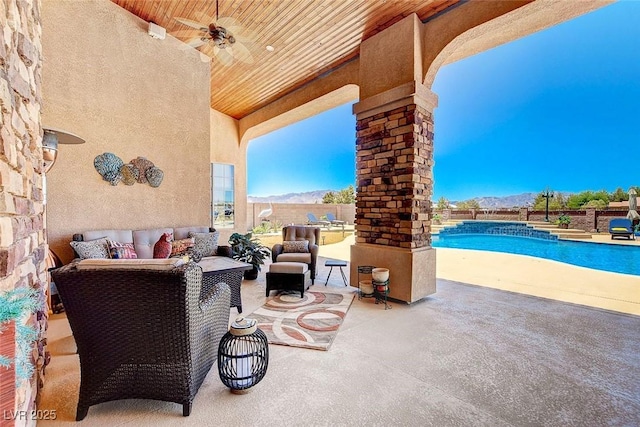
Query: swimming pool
[{"x": 616, "y": 258}]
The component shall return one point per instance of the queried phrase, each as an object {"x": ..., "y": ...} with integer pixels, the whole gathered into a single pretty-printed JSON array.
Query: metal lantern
[{"x": 243, "y": 356}]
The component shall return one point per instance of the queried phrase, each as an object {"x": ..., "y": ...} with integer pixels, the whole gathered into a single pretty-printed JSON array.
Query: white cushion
[{"x": 147, "y": 264}]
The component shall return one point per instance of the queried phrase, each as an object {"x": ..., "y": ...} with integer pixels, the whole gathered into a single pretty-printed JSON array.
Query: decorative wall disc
[
  {"x": 129, "y": 174},
  {"x": 108, "y": 166},
  {"x": 154, "y": 176},
  {"x": 142, "y": 164}
]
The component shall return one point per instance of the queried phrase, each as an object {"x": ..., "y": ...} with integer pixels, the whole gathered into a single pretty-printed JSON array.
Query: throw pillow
[
  {"x": 206, "y": 244},
  {"x": 97, "y": 248},
  {"x": 162, "y": 248},
  {"x": 181, "y": 247},
  {"x": 119, "y": 250},
  {"x": 297, "y": 246}
]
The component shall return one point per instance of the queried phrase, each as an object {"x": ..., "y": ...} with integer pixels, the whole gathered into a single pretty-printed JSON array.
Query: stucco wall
[
  {"x": 226, "y": 148},
  {"x": 109, "y": 82}
]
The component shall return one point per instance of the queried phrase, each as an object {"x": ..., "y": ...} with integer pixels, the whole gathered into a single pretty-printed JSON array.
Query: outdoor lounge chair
[
  {"x": 332, "y": 219},
  {"x": 312, "y": 220},
  {"x": 621, "y": 227}
]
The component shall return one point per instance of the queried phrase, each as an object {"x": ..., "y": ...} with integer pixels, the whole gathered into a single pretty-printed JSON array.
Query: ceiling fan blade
[
  {"x": 227, "y": 21},
  {"x": 196, "y": 42},
  {"x": 242, "y": 34},
  {"x": 241, "y": 52},
  {"x": 185, "y": 34},
  {"x": 192, "y": 24},
  {"x": 224, "y": 57}
]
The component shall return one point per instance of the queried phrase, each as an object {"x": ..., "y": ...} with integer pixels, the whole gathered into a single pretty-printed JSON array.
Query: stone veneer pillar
[
  {"x": 394, "y": 160},
  {"x": 22, "y": 237}
]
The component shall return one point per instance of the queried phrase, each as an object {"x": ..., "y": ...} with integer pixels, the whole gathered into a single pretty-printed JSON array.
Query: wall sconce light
[{"x": 51, "y": 139}]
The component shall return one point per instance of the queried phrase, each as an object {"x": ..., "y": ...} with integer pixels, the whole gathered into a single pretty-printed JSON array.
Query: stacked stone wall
[
  {"x": 394, "y": 159},
  {"x": 22, "y": 238}
]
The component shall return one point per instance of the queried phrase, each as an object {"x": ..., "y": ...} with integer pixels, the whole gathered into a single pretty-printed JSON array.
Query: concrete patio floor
[{"x": 467, "y": 355}]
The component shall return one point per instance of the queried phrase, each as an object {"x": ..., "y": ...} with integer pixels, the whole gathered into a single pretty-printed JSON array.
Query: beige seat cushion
[
  {"x": 147, "y": 264},
  {"x": 294, "y": 257},
  {"x": 288, "y": 267}
]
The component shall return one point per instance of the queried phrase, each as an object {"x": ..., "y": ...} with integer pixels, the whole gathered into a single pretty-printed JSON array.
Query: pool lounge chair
[
  {"x": 312, "y": 220},
  {"x": 332, "y": 219},
  {"x": 621, "y": 227}
]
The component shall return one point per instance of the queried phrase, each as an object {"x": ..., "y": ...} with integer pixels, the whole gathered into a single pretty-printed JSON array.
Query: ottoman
[{"x": 288, "y": 276}]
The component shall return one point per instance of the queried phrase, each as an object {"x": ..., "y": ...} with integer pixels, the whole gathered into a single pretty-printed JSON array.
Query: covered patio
[
  {"x": 468, "y": 355},
  {"x": 463, "y": 355}
]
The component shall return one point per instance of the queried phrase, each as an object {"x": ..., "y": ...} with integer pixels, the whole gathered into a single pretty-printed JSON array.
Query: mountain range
[{"x": 489, "y": 202}]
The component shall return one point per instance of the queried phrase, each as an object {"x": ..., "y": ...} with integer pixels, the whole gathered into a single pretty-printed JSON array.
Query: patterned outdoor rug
[{"x": 309, "y": 322}]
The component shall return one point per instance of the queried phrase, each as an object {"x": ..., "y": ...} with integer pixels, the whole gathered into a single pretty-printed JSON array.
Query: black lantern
[{"x": 243, "y": 356}]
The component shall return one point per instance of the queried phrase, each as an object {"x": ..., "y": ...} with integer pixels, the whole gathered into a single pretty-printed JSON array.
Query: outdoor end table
[
  {"x": 336, "y": 263},
  {"x": 227, "y": 270}
]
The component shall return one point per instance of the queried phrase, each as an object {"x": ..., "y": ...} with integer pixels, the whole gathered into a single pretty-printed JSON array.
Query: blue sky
[{"x": 558, "y": 109}]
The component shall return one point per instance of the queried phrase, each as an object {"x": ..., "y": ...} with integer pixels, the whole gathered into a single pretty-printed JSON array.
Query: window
[{"x": 222, "y": 195}]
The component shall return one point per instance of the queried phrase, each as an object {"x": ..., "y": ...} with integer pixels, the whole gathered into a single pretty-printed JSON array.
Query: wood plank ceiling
[{"x": 309, "y": 37}]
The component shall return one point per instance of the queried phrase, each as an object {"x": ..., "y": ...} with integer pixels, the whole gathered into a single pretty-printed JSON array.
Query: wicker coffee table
[{"x": 227, "y": 270}]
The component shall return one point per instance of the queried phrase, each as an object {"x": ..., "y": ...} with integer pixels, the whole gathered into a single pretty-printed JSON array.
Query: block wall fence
[
  {"x": 591, "y": 220},
  {"x": 296, "y": 213}
]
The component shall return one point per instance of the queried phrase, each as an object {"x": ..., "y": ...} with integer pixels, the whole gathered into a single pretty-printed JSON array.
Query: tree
[
  {"x": 556, "y": 202},
  {"x": 619, "y": 195},
  {"x": 576, "y": 201},
  {"x": 469, "y": 204},
  {"x": 345, "y": 196},
  {"x": 595, "y": 203},
  {"x": 329, "y": 198},
  {"x": 442, "y": 203}
]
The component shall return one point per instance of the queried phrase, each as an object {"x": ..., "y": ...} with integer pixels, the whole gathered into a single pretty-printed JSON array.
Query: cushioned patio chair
[
  {"x": 144, "y": 329},
  {"x": 312, "y": 220},
  {"x": 621, "y": 227},
  {"x": 290, "y": 250}
]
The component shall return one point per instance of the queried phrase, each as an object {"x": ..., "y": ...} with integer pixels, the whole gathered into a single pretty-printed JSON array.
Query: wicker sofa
[
  {"x": 155, "y": 340},
  {"x": 144, "y": 239}
]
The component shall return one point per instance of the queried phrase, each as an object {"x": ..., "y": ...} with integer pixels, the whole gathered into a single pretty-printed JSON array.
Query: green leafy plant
[
  {"x": 563, "y": 219},
  {"x": 262, "y": 228},
  {"x": 248, "y": 249}
]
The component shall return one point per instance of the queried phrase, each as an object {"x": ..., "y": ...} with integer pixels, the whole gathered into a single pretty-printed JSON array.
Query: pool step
[
  {"x": 435, "y": 228},
  {"x": 562, "y": 233}
]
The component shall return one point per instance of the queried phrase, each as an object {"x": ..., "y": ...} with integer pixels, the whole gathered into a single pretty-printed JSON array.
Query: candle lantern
[{"x": 243, "y": 356}]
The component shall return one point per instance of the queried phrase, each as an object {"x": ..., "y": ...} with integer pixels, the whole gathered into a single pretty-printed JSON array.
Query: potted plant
[
  {"x": 437, "y": 219},
  {"x": 249, "y": 250},
  {"x": 563, "y": 221}
]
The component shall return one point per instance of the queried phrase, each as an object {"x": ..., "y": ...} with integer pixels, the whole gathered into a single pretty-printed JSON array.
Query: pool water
[{"x": 616, "y": 258}]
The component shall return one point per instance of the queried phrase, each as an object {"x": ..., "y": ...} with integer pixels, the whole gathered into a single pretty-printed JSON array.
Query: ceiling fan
[{"x": 224, "y": 37}]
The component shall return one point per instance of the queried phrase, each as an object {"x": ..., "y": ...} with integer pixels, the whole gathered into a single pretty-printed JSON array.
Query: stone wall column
[
  {"x": 394, "y": 160},
  {"x": 590, "y": 222},
  {"x": 22, "y": 236}
]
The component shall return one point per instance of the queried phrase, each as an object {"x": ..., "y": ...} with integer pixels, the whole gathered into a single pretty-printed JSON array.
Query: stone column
[
  {"x": 394, "y": 160},
  {"x": 22, "y": 236},
  {"x": 590, "y": 222},
  {"x": 394, "y": 155}
]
